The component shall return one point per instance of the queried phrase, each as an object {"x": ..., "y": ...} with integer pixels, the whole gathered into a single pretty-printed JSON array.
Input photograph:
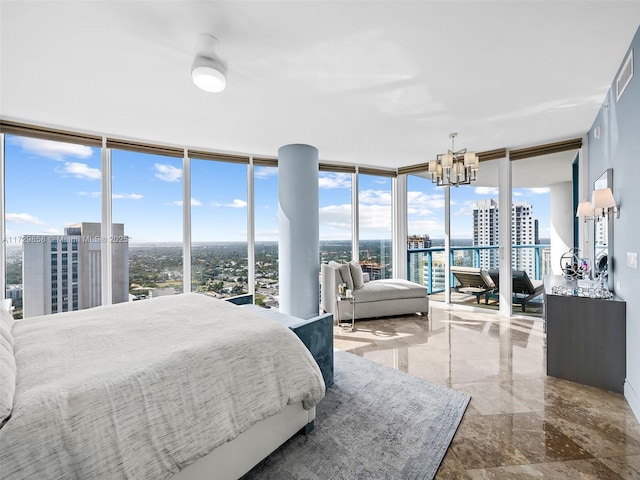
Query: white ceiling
[{"x": 377, "y": 83}]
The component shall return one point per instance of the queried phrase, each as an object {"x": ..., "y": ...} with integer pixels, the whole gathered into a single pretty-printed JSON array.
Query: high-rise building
[
  {"x": 374, "y": 269},
  {"x": 546, "y": 262},
  {"x": 64, "y": 272},
  {"x": 417, "y": 260},
  {"x": 433, "y": 277},
  {"x": 485, "y": 232},
  {"x": 524, "y": 231}
]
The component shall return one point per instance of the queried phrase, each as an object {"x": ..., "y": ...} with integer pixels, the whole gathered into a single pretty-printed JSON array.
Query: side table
[{"x": 351, "y": 302}]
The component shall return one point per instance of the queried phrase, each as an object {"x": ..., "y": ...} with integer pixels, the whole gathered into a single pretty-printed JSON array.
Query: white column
[
  {"x": 298, "y": 237},
  {"x": 562, "y": 217},
  {"x": 504, "y": 234}
]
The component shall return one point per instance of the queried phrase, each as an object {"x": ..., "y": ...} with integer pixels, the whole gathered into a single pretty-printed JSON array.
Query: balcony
[{"x": 427, "y": 267}]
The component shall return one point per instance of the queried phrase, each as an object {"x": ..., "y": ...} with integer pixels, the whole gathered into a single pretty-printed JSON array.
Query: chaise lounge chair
[
  {"x": 523, "y": 288},
  {"x": 474, "y": 281}
]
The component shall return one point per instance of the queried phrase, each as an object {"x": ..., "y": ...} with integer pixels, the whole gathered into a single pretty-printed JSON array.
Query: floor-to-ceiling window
[
  {"x": 266, "y": 234},
  {"x": 531, "y": 224},
  {"x": 475, "y": 241},
  {"x": 334, "y": 192},
  {"x": 425, "y": 227},
  {"x": 375, "y": 225},
  {"x": 52, "y": 211},
  {"x": 53, "y": 190},
  {"x": 219, "y": 263},
  {"x": 147, "y": 210}
]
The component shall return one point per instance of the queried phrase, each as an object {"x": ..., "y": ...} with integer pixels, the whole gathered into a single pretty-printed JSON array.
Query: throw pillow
[
  {"x": 345, "y": 273},
  {"x": 6, "y": 324},
  {"x": 337, "y": 265},
  {"x": 356, "y": 274}
]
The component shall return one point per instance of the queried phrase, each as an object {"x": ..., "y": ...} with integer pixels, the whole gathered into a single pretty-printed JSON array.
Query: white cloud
[
  {"x": 538, "y": 191},
  {"x": 237, "y": 203},
  {"x": 419, "y": 201},
  {"x": 23, "y": 218},
  {"x": 517, "y": 194},
  {"x": 54, "y": 150},
  {"x": 466, "y": 209},
  {"x": 127, "y": 196},
  {"x": 433, "y": 226},
  {"x": 381, "y": 181},
  {"x": 264, "y": 172},
  {"x": 90, "y": 194},
  {"x": 375, "y": 219},
  {"x": 194, "y": 203},
  {"x": 51, "y": 231},
  {"x": 486, "y": 191},
  {"x": 167, "y": 173},
  {"x": 115, "y": 196},
  {"x": 419, "y": 212},
  {"x": 336, "y": 217},
  {"x": 375, "y": 197},
  {"x": 80, "y": 170},
  {"x": 334, "y": 180}
]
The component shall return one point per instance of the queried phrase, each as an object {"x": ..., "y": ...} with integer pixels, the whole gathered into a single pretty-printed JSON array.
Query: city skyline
[{"x": 51, "y": 185}]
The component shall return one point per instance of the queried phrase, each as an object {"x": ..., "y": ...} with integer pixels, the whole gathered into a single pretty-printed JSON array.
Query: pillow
[
  {"x": 356, "y": 274},
  {"x": 6, "y": 324},
  {"x": 345, "y": 273},
  {"x": 7, "y": 379},
  {"x": 334, "y": 264},
  {"x": 6, "y": 304}
]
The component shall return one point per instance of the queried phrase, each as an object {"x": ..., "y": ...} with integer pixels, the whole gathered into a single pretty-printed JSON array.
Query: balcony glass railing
[{"x": 426, "y": 265}]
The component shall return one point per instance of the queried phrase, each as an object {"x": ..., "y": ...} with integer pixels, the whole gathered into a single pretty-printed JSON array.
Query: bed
[{"x": 181, "y": 387}]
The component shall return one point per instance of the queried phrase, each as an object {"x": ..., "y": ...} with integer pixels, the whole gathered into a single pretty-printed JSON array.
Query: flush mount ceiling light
[{"x": 207, "y": 70}]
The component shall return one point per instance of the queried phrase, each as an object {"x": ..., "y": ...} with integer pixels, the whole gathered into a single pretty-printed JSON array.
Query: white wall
[{"x": 561, "y": 223}]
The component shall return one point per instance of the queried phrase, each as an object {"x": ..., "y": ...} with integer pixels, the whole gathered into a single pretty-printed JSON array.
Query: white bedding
[{"x": 143, "y": 389}]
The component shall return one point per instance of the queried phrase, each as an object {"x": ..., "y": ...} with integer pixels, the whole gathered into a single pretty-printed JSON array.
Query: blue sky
[{"x": 51, "y": 185}]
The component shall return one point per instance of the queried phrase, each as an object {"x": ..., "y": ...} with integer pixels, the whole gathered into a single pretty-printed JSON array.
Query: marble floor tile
[
  {"x": 520, "y": 423},
  {"x": 592, "y": 469},
  {"x": 627, "y": 467}
]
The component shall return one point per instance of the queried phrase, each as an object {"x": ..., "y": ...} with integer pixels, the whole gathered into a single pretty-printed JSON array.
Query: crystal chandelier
[{"x": 454, "y": 167}]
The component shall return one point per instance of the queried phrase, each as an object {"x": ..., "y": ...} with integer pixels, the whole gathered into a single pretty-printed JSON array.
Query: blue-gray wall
[{"x": 619, "y": 148}]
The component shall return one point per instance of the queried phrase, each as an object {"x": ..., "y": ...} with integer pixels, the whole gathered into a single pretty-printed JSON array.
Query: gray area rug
[{"x": 374, "y": 423}]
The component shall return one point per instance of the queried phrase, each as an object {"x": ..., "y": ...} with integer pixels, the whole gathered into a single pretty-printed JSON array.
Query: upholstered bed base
[{"x": 235, "y": 458}]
